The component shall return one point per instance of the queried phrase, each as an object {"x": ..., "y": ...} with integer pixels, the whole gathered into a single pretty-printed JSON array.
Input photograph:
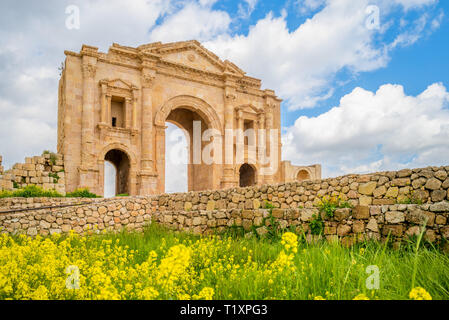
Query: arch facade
[{"x": 121, "y": 100}]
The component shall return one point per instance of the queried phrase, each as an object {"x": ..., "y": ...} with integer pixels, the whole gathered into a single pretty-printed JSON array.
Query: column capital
[
  {"x": 89, "y": 70},
  {"x": 148, "y": 76}
]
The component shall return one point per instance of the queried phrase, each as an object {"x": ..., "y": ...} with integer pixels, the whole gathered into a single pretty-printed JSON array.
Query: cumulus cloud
[
  {"x": 246, "y": 8},
  {"x": 193, "y": 21},
  {"x": 372, "y": 131},
  {"x": 301, "y": 64}
]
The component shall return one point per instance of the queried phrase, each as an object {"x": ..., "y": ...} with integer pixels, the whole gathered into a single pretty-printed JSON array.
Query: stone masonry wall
[
  {"x": 349, "y": 225},
  {"x": 46, "y": 171},
  {"x": 375, "y": 215},
  {"x": 420, "y": 186}
]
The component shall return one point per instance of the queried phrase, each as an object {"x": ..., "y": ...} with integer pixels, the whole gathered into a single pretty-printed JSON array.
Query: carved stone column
[
  {"x": 134, "y": 110},
  {"x": 228, "y": 179},
  {"x": 269, "y": 179},
  {"x": 261, "y": 146},
  {"x": 109, "y": 109},
  {"x": 87, "y": 123},
  {"x": 128, "y": 110},
  {"x": 160, "y": 162},
  {"x": 104, "y": 106},
  {"x": 148, "y": 176}
]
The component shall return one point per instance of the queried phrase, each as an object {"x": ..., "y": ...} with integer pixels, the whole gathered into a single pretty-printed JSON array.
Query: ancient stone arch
[
  {"x": 192, "y": 103},
  {"x": 131, "y": 174},
  {"x": 247, "y": 175},
  {"x": 120, "y": 100}
]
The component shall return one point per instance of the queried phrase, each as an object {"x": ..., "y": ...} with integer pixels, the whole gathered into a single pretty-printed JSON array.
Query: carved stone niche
[{"x": 118, "y": 106}]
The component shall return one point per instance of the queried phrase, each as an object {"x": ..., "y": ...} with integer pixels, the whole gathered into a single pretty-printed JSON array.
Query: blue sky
[{"x": 356, "y": 99}]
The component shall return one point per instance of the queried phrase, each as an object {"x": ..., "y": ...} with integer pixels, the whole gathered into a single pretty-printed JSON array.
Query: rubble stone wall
[
  {"x": 46, "y": 171},
  {"x": 375, "y": 214}
]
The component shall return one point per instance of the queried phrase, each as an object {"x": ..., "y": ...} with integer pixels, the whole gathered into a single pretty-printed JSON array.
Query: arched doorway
[
  {"x": 194, "y": 116},
  {"x": 199, "y": 175},
  {"x": 176, "y": 160},
  {"x": 303, "y": 175},
  {"x": 247, "y": 175},
  {"x": 121, "y": 163}
]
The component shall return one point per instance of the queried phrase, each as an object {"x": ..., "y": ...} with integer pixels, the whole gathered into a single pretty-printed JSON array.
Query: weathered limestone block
[
  {"x": 367, "y": 188},
  {"x": 394, "y": 230},
  {"x": 440, "y": 207},
  {"x": 365, "y": 200},
  {"x": 392, "y": 192},
  {"x": 438, "y": 195},
  {"x": 433, "y": 184},
  {"x": 358, "y": 226},
  {"x": 395, "y": 217},
  {"x": 441, "y": 175},
  {"x": 372, "y": 225},
  {"x": 361, "y": 212},
  {"x": 343, "y": 230},
  {"x": 380, "y": 191}
]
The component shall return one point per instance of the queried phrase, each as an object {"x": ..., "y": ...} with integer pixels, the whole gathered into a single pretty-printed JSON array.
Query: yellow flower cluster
[
  {"x": 361, "y": 297},
  {"x": 419, "y": 293},
  {"x": 290, "y": 242},
  {"x": 74, "y": 268}
]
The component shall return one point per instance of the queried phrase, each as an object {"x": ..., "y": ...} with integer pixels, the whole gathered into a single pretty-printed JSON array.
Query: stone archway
[
  {"x": 303, "y": 175},
  {"x": 247, "y": 175},
  {"x": 125, "y": 164},
  {"x": 183, "y": 111},
  {"x": 122, "y": 165}
]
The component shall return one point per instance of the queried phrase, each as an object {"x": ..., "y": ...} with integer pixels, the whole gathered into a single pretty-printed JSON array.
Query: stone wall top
[{"x": 419, "y": 186}]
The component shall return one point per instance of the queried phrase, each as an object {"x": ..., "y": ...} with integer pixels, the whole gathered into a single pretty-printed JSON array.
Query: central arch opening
[
  {"x": 181, "y": 173},
  {"x": 247, "y": 175},
  {"x": 117, "y": 167},
  {"x": 177, "y": 156}
]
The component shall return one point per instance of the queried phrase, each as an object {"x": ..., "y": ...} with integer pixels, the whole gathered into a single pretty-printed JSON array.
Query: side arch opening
[
  {"x": 247, "y": 175},
  {"x": 117, "y": 173}
]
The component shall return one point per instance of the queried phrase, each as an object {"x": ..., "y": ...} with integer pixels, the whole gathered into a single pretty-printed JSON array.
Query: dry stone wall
[
  {"x": 46, "y": 171},
  {"x": 93, "y": 216},
  {"x": 419, "y": 186},
  {"x": 376, "y": 212}
]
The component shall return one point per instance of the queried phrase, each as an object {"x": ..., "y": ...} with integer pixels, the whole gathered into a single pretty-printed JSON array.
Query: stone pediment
[
  {"x": 193, "y": 55},
  {"x": 249, "y": 109},
  {"x": 119, "y": 84}
]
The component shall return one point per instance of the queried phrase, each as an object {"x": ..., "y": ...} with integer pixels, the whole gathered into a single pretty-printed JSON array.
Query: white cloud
[
  {"x": 301, "y": 64},
  {"x": 374, "y": 131},
  {"x": 246, "y": 8},
  {"x": 192, "y": 22},
  {"x": 306, "y": 6}
]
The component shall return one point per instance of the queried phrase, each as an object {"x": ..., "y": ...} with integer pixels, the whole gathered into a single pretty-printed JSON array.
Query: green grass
[
  {"x": 323, "y": 269},
  {"x": 81, "y": 193},
  {"x": 33, "y": 191},
  {"x": 30, "y": 192}
]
